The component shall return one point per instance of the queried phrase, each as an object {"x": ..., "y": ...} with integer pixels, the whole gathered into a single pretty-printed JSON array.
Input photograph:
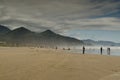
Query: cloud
[
  {"x": 60, "y": 15},
  {"x": 107, "y": 23}
]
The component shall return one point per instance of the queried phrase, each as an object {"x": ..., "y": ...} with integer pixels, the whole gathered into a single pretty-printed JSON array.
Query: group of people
[
  {"x": 108, "y": 51},
  {"x": 84, "y": 49},
  {"x": 101, "y": 50}
]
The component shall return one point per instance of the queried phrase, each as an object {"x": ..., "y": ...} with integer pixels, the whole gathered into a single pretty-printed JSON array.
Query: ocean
[{"x": 115, "y": 51}]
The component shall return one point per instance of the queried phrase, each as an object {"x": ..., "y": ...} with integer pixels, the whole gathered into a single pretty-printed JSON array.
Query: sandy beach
[{"x": 47, "y": 64}]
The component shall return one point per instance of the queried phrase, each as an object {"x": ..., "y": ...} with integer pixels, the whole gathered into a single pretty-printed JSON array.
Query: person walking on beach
[
  {"x": 108, "y": 51},
  {"x": 83, "y": 50},
  {"x": 101, "y": 50}
]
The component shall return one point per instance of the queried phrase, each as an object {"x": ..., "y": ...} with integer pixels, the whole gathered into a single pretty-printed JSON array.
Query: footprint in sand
[{"x": 115, "y": 76}]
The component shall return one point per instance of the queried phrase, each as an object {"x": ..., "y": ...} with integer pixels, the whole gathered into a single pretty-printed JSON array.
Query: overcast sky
[{"x": 62, "y": 16}]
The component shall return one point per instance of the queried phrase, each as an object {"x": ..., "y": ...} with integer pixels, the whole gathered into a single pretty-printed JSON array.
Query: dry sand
[{"x": 44, "y": 64}]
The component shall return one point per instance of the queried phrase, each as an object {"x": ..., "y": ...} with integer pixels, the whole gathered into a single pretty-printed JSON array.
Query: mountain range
[
  {"x": 102, "y": 43},
  {"x": 24, "y": 37}
]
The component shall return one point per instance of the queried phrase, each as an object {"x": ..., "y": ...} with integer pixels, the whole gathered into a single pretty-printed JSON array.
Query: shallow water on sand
[{"x": 115, "y": 51}]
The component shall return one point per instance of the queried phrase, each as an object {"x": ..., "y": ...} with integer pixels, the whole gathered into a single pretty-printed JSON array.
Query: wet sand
[{"x": 47, "y": 64}]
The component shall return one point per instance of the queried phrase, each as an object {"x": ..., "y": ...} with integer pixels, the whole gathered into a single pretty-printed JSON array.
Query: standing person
[
  {"x": 108, "y": 51},
  {"x": 101, "y": 50},
  {"x": 83, "y": 50}
]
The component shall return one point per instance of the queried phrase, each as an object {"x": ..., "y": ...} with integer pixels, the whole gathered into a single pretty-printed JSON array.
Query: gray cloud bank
[{"x": 60, "y": 15}]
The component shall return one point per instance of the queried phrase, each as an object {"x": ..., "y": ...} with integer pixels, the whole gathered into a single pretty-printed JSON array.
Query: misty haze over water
[{"x": 114, "y": 50}]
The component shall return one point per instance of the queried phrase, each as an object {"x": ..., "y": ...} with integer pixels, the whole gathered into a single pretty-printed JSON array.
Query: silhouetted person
[
  {"x": 108, "y": 51},
  {"x": 83, "y": 50},
  {"x": 101, "y": 50}
]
